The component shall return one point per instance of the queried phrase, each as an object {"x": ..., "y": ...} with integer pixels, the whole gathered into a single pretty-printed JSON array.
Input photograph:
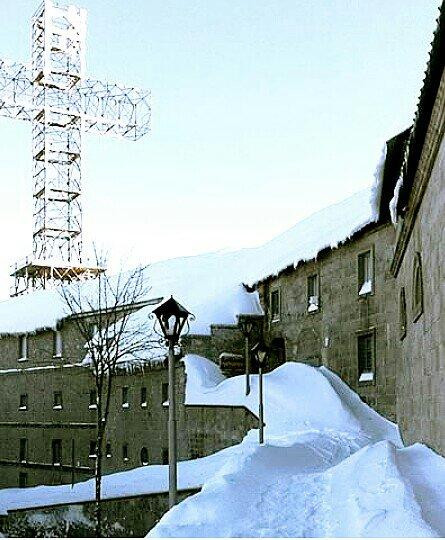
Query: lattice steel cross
[{"x": 61, "y": 104}]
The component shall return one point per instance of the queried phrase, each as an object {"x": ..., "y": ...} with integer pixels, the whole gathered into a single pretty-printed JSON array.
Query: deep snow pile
[
  {"x": 331, "y": 466},
  {"x": 211, "y": 285}
]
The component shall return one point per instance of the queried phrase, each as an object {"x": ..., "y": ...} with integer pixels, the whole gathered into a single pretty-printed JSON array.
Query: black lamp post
[
  {"x": 246, "y": 325},
  {"x": 261, "y": 353},
  {"x": 172, "y": 318}
]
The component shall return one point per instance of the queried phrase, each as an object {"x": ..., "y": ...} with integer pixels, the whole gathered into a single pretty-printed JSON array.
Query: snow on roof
[{"x": 210, "y": 285}]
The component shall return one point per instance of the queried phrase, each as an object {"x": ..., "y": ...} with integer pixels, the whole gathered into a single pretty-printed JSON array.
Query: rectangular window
[
  {"x": 125, "y": 452},
  {"x": 93, "y": 399},
  {"x": 313, "y": 293},
  {"x": 108, "y": 450},
  {"x": 164, "y": 456},
  {"x": 164, "y": 392},
  {"x": 57, "y": 344},
  {"x": 92, "y": 452},
  {"x": 57, "y": 451},
  {"x": 23, "y": 480},
  {"x": 275, "y": 305},
  {"x": 125, "y": 403},
  {"x": 365, "y": 273},
  {"x": 57, "y": 403},
  {"x": 23, "y": 403},
  {"x": 143, "y": 397},
  {"x": 23, "y": 451},
  {"x": 365, "y": 351},
  {"x": 23, "y": 347}
]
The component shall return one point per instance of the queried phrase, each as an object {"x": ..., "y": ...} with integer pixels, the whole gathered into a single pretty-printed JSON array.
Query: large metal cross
[{"x": 61, "y": 104}]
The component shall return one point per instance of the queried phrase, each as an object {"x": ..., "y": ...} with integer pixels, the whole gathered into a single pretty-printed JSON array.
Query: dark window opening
[
  {"x": 365, "y": 350},
  {"x": 164, "y": 392},
  {"x": 108, "y": 450},
  {"x": 125, "y": 403},
  {"x": 275, "y": 305},
  {"x": 402, "y": 314},
  {"x": 417, "y": 288},
  {"x": 92, "y": 452},
  {"x": 57, "y": 403},
  {"x": 144, "y": 456},
  {"x": 23, "y": 451},
  {"x": 23, "y": 480},
  {"x": 365, "y": 273},
  {"x": 125, "y": 452},
  {"x": 313, "y": 294},
  {"x": 23, "y": 402},
  {"x": 164, "y": 456},
  {"x": 93, "y": 399},
  {"x": 143, "y": 397},
  {"x": 57, "y": 451}
]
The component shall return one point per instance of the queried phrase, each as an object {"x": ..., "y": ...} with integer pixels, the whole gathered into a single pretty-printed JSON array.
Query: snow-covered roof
[{"x": 211, "y": 285}]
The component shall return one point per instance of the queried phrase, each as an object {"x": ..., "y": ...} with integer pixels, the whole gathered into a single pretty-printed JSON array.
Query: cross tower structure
[{"x": 62, "y": 104}]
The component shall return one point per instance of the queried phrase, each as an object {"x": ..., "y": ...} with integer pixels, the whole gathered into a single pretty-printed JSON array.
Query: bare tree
[{"x": 107, "y": 314}]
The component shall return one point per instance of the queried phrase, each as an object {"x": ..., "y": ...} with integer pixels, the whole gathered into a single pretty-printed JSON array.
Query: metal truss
[{"x": 61, "y": 105}]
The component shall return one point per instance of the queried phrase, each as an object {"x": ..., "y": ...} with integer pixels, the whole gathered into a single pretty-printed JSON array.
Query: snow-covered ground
[{"x": 331, "y": 466}]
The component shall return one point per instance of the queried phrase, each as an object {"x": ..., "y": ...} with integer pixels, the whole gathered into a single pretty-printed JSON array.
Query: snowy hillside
[{"x": 330, "y": 466}]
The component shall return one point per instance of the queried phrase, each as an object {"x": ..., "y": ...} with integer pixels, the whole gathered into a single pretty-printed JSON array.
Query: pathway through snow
[{"x": 331, "y": 466}]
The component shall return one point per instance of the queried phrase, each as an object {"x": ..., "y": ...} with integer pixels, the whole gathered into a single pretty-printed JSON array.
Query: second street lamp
[
  {"x": 172, "y": 318},
  {"x": 261, "y": 352}
]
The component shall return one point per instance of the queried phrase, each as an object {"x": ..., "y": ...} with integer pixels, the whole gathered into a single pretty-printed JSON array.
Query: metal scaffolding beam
[{"x": 61, "y": 104}]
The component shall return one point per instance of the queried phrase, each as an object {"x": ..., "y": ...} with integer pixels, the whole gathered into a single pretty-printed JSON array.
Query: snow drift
[{"x": 331, "y": 466}]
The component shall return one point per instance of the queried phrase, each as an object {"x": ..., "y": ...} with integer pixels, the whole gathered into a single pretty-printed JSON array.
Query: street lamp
[
  {"x": 172, "y": 318},
  {"x": 261, "y": 353},
  {"x": 246, "y": 324}
]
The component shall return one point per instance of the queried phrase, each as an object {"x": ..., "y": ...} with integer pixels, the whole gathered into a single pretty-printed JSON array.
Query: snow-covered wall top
[{"x": 210, "y": 285}]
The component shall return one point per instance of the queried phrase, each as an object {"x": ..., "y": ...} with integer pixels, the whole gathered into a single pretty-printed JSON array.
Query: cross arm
[
  {"x": 112, "y": 109},
  {"x": 15, "y": 90}
]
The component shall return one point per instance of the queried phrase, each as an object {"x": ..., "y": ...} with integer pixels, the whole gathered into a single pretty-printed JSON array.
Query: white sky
[{"x": 263, "y": 112}]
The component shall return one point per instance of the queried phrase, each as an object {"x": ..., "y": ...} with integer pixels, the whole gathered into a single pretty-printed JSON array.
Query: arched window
[
  {"x": 144, "y": 456},
  {"x": 417, "y": 287},
  {"x": 402, "y": 314}
]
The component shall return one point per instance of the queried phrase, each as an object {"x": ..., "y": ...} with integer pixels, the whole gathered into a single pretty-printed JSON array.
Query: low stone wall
[{"x": 125, "y": 517}]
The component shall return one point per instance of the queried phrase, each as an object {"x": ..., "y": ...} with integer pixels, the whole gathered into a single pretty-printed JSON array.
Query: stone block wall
[
  {"x": 421, "y": 366},
  {"x": 328, "y": 336}
]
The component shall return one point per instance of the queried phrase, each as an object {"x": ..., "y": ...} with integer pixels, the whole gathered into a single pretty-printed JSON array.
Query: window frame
[
  {"x": 164, "y": 392},
  {"x": 56, "y": 448},
  {"x": 92, "y": 450},
  {"x": 23, "y": 404},
  {"x": 316, "y": 277},
  {"x": 92, "y": 402},
  {"x": 403, "y": 319},
  {"x": 144, "y": 450},
  {"x": 125, "y": 397},
  {"x": 275, "y": 317},
  {"x": 417, "y": 303},
  {"x": 23, "y": 450},
  {"x": 144, "y": 395},
  {"x": 57, "y": 404},
  {"x": 23, "y": 348},
  {"x": 371, "y": 272},
  {"x": 125, "y": 452},
  {"x": 370, "y": 332}
]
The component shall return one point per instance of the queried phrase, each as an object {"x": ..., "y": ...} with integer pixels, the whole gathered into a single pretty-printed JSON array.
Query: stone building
[{"x": 418, "y": 265}]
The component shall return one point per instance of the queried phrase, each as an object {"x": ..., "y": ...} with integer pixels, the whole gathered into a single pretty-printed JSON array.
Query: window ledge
[
  {"x": 23, "y": 408},
  {"x": 108, "y": 456},
  {"x": 125, "y": 405},
  {"x": 92, "y": 407},
  {"x": 92, "y": 456},
  {"x": 57, "y": 356},
  {"x": 275, "y": 320},
  {"x": 23, "y": 359},
  {"x": 126, "y": 459},
  {"x": 57, "y": 407},
  {"x": 144, "y": 405}
]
